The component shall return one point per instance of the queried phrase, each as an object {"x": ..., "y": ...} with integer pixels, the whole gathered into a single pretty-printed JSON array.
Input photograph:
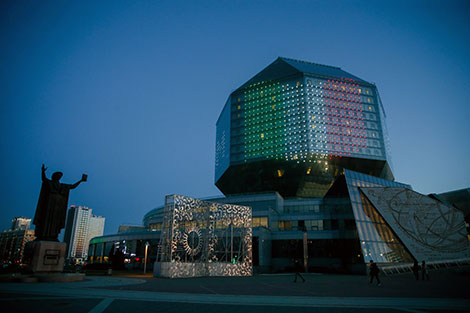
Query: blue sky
[{"x": 129, "y": 91}]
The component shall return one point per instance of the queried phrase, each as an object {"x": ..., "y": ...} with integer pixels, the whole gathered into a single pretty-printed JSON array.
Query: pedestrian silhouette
[
  {"x": 424, "y": 271},
  {"x": 298, "y": 268},
  {"x": 416, "y": 269},
  {"x": 374, "y": 272}
]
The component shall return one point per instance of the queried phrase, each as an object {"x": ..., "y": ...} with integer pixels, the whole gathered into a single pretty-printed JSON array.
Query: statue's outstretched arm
[
  {"x": 43, "y": 173},
  {"x": 76, "y": 184},
  {"x": 84, "y": 178}
]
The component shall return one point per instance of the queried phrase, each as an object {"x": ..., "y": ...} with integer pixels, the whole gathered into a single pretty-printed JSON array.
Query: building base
[
  {"x": 185, "y": 270},
  {"x": 45, "y": 256}
]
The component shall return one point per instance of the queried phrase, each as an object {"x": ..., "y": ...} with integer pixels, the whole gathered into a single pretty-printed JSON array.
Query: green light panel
[{"x": 272, "y": 121}]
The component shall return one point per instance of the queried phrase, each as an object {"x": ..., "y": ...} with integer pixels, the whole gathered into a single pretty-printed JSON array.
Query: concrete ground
[{"x": 446, "y": 291}]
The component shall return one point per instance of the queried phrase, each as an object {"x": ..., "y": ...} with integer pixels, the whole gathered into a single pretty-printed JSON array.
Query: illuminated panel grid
[
  {"x": 342, "y": 119},
  {"x": 304, "y": 120},
  {"x": 222, "y": 146},
  {"x": 272, "y": 120}
]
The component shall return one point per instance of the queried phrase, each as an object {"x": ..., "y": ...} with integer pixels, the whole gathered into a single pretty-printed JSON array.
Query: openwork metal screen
[{"x": 203, "y": 238}]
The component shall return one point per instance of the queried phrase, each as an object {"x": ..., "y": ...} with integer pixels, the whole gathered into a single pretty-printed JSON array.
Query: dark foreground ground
[
  {"x": 445, "y": 284},
  {"x": 446, "y": 291}
]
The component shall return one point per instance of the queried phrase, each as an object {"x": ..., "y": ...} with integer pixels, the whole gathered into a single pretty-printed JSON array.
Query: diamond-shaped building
[
  {"x": 295, "y": 126},
  {"x": 305, "y": 147}
]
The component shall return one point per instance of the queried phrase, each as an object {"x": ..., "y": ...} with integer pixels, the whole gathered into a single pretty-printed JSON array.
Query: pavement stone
[
  {"x": 446, "y": 292},
  {"x": 442, "y": 285}
]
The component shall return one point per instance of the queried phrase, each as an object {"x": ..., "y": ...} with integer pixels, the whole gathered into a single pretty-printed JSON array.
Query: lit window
[{"x": 284, "y": 225}]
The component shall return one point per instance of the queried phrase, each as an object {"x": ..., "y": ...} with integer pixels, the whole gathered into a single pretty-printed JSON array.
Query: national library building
[{"x": 306, "y": 147}]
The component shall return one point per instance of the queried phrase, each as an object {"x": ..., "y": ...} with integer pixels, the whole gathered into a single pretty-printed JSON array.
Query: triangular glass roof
[
  {"x": 322, "y": 70},
  {"x": 285, "y": 67}
]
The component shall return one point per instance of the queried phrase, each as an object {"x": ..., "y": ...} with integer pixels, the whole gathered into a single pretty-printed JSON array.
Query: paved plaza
[{"x": 447, "y": 291}]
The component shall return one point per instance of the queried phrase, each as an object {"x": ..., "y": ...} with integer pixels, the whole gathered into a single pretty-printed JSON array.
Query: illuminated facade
[
  {"x": 12, "y": 243},
  {"x": 20, "y": 223},
  {"x": 294, "y": 126},
  {"x": 203, "y": 238}
]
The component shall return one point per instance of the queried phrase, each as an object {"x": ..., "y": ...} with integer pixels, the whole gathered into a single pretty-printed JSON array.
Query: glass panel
[{"x": 378, "y": 241}]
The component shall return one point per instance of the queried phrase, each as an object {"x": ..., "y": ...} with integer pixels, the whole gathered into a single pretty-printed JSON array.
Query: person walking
[
  {"x": 374, "y": 272},
  {"x": 298, "y": 269},
  {"x": 424, "y": 271},
  {"x": 416, "y": 269}
]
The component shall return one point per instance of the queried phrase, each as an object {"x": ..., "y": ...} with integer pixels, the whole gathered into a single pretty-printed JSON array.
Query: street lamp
[{"x": 145, "y": 260}]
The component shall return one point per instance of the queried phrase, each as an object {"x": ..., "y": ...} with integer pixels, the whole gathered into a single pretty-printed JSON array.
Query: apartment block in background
[{"x": 81, "y": 226}]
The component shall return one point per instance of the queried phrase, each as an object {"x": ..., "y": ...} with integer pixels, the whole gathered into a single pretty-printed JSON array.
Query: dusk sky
[{"x": 129, "y": 92}]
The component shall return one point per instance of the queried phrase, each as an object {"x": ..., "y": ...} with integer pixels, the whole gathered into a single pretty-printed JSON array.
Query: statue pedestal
[{"x": 45, "y": 256}]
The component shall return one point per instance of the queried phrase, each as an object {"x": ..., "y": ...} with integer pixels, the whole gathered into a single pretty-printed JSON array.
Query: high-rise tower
[
  {"x": 295, "y": 126},
  {"x": 20, "y": 223},
  {"x": 81, "y": 227}
]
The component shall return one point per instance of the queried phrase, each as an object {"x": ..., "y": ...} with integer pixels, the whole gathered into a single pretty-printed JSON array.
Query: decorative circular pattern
[
  {"x": 185, "y": 247},
  {"x": 192, "y": 241}
]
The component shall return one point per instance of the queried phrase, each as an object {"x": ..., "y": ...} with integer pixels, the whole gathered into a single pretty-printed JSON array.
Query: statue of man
[{"x": 52, "y": 206}]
